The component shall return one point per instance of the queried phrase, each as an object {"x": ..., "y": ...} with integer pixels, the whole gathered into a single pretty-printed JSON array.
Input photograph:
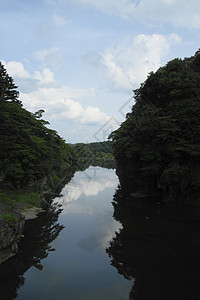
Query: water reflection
[
  {"x": 88, "y": 183},
  {"x": 101, "y": 236},
  {"x": 88, "y": 188},
  {"x": 79, "y": 268},
  {"x": 158, "y": 247},
  {"x": 32, "y": 250}
]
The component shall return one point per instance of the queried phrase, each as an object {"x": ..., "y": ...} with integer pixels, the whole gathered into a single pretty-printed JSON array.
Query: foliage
[
  {"x": 8, "y": 201},
  {"x": 10, "y": 218},
  {"x": 84, "y": 154},
  {"x": 99, "y": 147},
  {"x": 28, "y": 198},
  {"x": 91, "y": 153},
  {"x": 29, "y": 150},
  {"x": 8, "y": 92},
  {"x": 159, "y": 142}
]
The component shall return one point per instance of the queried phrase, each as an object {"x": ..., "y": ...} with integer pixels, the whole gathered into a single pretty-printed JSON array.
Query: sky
[{"x": 80, "y": 60}]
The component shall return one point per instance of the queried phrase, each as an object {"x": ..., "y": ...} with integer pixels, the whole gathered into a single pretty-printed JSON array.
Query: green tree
[
  {"x": 158, "y": 146},
  {"x": 30, "y": 152},
  {"x": 8, "y": 92}
]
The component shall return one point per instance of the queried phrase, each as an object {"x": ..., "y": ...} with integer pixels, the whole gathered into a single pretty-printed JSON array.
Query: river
[
  {"x": 62, "y": 256},
  {"x": 97, "y": 242}
]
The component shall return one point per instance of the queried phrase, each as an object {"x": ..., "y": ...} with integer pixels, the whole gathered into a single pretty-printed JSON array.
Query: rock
[
  {"x": 32, "y": 213},
  {"x": 9, "y": 238}
]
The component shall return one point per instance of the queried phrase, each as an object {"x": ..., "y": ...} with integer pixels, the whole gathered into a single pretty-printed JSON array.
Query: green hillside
[
  {"x": 32, "y": 156},
  {"x": 157, "y": 147}
]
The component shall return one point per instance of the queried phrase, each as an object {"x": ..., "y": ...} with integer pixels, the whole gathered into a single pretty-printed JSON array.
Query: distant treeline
[
  {"x": 93, "y": 153},
  {"x": 105, "y": 147}
]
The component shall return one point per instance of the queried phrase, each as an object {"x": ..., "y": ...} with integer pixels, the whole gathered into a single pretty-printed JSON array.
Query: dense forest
[
  {"x": 157, "y": 147},
  {"x": 30, "y": 152},
  {"x": 94, "y": 153}
]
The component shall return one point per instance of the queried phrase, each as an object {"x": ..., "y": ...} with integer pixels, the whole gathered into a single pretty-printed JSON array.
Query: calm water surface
[
  {"x": 147, "y": 251},
  {"x": 77, "y": 266}
]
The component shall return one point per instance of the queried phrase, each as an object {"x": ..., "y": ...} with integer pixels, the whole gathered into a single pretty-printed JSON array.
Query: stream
[
  {"x": 97, "y": 242},
  {"x": 63, "y": 253}
]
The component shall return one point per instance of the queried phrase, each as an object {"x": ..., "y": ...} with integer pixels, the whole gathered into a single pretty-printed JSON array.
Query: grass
[
  {"x": 11, "y": 203},
  {"x": 7, "y": 201},
  {"x": 10, "y": 200},
  {"x": 29, "y": 198},
  {"x": 10, "y": 218}
]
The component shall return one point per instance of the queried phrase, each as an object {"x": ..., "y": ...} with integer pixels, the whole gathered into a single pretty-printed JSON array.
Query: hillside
[
  {"x": 29, "y": 150},
  {"x": 157, "y": 147},
  {"x": 34, "y": 163},
  {"x": 95, "y": 154},
  {"x": 34, "y": 159}
]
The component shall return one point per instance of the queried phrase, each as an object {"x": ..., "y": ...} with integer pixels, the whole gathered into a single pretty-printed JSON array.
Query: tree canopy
[
  {"x": 29, "y": 150},
  {"x": 8, "y": 92},
  {"x": 158, "y": 145}
]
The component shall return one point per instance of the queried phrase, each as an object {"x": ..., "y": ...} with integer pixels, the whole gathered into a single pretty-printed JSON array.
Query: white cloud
[
  {"x": 57, "y": 101},
  {"x": 126, "y": 65},
  {"x": 58, "y": 106},
  {"x": 70, "y": 110},
  {"x": 85, "y": 184},
  {"x": 73, "y": 110},
  {"x": 44, "y": 77},
  {"x": 115, "y": 72},
  {"x": 180, "y": 12},
  {"x": 59, "y": 21},
  {"x": 195, "y": 21},
  {"x": 89, "y": 183},
  {"x": 50, "y": 57},
  {"x": 93, "y": 115},
  {"x": 16, "y": 69},
  {"x": 116, "y": 7},
  {"x": 53, "y": 96}
]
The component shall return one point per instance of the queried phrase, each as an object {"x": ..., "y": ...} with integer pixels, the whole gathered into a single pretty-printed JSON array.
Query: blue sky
[{"x": 79, "y": 60}]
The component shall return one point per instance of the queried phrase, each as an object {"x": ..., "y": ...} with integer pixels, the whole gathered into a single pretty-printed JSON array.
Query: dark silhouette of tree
[
  {"x": 29, "y": 150},
  {"x": 39, "y": 233},
  {"x": 158, "y": 146},
  {"x": 8, "y": 92},
  {"x": 157, "y": 247}
]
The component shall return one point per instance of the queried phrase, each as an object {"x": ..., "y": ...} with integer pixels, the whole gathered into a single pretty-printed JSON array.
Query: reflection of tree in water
[
  {"x": 39, "y": 233},
  {"x": 105, "y": 164},
  {"x": 158, "y": 247}
]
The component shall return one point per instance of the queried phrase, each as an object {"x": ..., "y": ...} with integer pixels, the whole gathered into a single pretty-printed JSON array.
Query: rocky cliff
[{"x": 9, "y": 237}]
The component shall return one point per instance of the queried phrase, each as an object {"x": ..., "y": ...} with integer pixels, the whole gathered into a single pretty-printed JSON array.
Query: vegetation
[
  {"x": 10, "y": 199},
  {"x": 35, "y": 162},
  {"x": 29, "y": 150},
  {"x": 10, "y": 218},
  {"x": 101, "y": 147},
  {"x": 34, "y": 158},
  {"x": 93, "y": 153},
  {"x": 157, "y": 147},
  {"x": 84, "y": 155}
]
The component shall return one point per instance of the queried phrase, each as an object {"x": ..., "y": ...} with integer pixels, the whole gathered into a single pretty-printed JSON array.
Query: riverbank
[
  {"x": 11, "y": 234},
  {"x": 32, "y": 213},
  {"x": 12, "y": 221},
  {"x": 68, "y": 242},
  {"x": 17, "y": 207}
]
